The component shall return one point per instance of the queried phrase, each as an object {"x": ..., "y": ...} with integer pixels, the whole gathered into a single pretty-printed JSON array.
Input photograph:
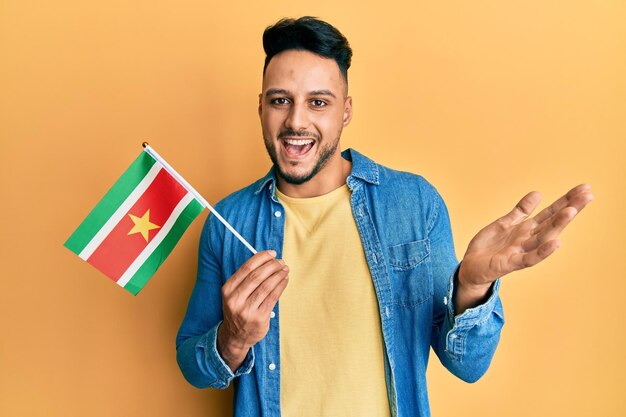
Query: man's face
[{"x": 303, "y": 108}]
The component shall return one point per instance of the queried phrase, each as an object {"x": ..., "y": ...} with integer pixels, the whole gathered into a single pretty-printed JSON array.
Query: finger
[
  {"x": 258, "y": 296},
  {"x": 551, "y": 230},
  {"x": 564, "y": 201},
  {"x": 577, "y": 203},
  {"x": 581, "y": 200},
  {"x": 246, "y": 268},
  {"x": 272, "y": 298},
  {"x": 527, "y": 259},
  {"x": 256, "y": 278},
  {"x": 523, "y": 209}
]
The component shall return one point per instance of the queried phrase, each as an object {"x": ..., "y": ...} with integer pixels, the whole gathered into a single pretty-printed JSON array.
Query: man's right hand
[{"x": 248, "y": 298}]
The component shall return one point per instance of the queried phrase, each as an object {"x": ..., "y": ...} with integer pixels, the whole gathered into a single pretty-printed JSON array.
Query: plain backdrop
[{"x": 486, "y": 99}]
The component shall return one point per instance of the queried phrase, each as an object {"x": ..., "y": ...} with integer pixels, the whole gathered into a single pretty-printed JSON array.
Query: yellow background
[{"x": 487, "y": 100}]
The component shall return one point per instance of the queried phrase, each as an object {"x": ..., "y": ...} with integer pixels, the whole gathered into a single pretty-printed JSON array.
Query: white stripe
[
  {"x": 120, "y": 212},
  {"x": 154, "y": 243}
]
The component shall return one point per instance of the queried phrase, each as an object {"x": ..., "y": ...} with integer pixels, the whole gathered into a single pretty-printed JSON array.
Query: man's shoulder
[
  {"x": 392, "y": 176},
  {"x": 405, "y": 197},
  {"x": 387, "y": 178}
]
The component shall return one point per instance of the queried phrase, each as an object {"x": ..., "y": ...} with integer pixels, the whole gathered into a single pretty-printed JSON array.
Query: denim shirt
[{"x": 405, "y": 231}]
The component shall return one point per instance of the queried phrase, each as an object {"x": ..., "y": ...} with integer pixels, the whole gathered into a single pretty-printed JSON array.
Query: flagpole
[{"x": 173, "y": 173}]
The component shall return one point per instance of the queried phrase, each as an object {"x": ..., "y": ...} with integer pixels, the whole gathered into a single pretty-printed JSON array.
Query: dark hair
[{"x": 309, "y": 34}]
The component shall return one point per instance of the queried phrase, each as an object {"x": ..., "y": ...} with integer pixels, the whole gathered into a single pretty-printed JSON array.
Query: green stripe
[
  {"x": 150, "y": 266},
  {"x": 109, "y": 203}
]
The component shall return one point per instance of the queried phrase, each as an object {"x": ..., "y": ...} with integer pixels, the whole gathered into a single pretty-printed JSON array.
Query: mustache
[{"x": 289, "y": 133}]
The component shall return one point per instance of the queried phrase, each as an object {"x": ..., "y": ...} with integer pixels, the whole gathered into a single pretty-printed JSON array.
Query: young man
[{"x": 367, "y": 252}]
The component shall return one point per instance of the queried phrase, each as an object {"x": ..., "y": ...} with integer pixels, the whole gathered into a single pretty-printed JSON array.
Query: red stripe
[{"x": 119, "y": 249}]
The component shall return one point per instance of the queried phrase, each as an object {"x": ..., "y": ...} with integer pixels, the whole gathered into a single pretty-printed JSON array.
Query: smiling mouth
[{"x": 296, "y": 148}]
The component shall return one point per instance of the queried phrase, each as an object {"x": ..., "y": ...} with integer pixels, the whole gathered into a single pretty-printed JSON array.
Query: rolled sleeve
[
  {"x": 202, "y": 364},
  {"x": 208, "y": 348},
  {"x": 462, "y": 325}
]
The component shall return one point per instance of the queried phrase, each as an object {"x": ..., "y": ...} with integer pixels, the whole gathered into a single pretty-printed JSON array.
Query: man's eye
[
  {"x": 318, "y": 103},
  {"x": 280, "y": 101}
]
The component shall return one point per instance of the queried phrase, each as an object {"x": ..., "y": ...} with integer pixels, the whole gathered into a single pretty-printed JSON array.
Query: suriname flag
[{"x": 131, "y": 231}]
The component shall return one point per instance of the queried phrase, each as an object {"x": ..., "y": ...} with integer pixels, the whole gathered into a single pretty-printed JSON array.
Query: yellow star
[{"x": 142, "y": 225}]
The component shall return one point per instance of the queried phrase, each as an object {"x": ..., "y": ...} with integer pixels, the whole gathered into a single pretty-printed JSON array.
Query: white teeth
[{"x": 299, "y": 142}]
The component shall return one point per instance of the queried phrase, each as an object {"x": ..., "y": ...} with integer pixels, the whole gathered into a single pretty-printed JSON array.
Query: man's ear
[
  {"x": 260, "y": 104},
  {"x": 347, "y": 111}
]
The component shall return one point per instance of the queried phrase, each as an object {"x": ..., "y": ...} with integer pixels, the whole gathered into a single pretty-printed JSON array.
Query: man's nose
[{"x": 298, "y": 118}]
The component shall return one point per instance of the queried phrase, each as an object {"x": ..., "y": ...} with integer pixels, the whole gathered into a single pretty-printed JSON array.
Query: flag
[{"x": 131, "y": 231}]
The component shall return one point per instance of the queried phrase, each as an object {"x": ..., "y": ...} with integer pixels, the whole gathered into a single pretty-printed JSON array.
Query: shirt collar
[{"x": 363, "y": 169}]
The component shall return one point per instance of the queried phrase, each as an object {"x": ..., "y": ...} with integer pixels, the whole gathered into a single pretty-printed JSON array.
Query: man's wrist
[
  {"x": 467, "y": 294},
  {"x": 232, "y": 353}
]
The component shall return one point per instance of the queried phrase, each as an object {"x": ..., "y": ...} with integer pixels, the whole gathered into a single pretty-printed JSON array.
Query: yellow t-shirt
[{"x": 331, "y": 347}]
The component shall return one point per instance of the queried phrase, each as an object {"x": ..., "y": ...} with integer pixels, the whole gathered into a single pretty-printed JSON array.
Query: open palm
[{"x": 516, "y": 240}]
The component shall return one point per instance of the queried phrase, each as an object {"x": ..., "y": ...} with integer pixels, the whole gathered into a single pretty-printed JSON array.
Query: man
[{"x": 368, "y": 255}]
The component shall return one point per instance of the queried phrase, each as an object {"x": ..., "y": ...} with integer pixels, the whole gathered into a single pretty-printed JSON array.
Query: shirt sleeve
[
  {"x": 196, "y": 342},
  {"x": 465, "y": 344}
]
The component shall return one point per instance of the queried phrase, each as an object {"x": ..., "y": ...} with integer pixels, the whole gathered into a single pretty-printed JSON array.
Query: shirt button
[
  {"x": 445, "y": 300},
  {"x": 277, "y": 213},
  {"x": 272, "y": 315},
  {"x": 272, "y": 366},
  {"x": 453, "y": 336}
]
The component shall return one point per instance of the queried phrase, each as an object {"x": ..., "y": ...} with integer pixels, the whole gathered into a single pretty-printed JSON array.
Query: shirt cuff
[
  {"x": 215, "y": 361},
  {"x": 461, "y": 326},
  {"x": 474, "y": 315}
]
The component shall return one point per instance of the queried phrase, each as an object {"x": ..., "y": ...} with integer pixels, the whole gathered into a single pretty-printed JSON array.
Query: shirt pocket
[{"x": 410, "y": 272}]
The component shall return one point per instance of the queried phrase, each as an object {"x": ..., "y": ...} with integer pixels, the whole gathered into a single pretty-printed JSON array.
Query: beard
[{"x": 325, "y": 152}]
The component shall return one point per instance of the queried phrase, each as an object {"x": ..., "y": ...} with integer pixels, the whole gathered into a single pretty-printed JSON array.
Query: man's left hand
[{"x": 515, "y": 241}]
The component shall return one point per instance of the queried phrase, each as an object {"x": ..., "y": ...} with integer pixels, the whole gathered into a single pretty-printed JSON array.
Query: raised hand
[
  {"x": 516, "y": 241},
  {"x": 248, "y": 298}
]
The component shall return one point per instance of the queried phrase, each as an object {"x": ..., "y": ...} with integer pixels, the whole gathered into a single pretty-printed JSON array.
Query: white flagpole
[{"x": 197, "y": 195}]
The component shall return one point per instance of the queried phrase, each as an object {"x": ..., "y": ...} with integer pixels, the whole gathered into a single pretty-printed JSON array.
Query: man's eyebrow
[
  {"x": 276, "y": 91},
  {"x": 282, "y": 91},
  {"x": 322, "y": 93}
]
